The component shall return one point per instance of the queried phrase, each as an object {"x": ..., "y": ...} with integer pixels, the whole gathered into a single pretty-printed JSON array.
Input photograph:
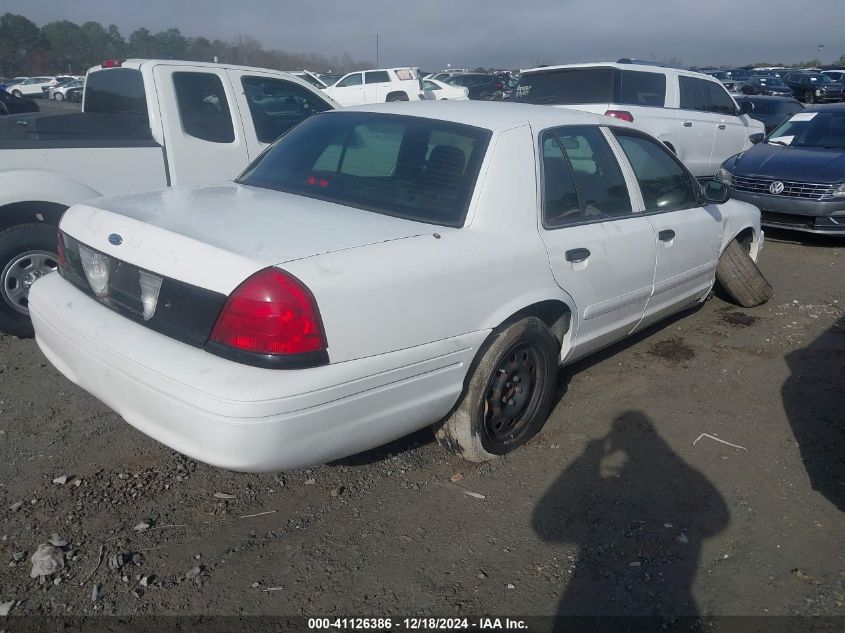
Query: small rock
[
  {"x": 309, "y": 482},
  {"x": 197, "y": 556},
  {"x": 511, "y": 585},
  {"x": 46, "y": 560},
  {"x": 223, "y": 495},
  {"x": 668, "y": 525},
  {"x": 57, "y": 541},
  {"x": 118, "y": 560},
  {"x": 18, "y": 556},
  {"x": 336, "y": 492},
  {"x": 193, "y": 572},
  {"x": 123, "y": 476},
  {"x": 456, "y": 478},
  {"x": 634, "y": 563},
  {"x": 17, "y": 505},
  {"x": 683, "y": 539},
  {"x": 57, "y": 580},
  {"x": 136, "y": 559},
  {"x": 481, "y": 575},
  {"x": 95, "y": 593},
  {"x": 255, "y": 585},
  {"x": 142, "y": 526},
  {"x": 137, "y": 593},
  {"x": 6, "y": 607},
  {"x": 61, "y": 480}
]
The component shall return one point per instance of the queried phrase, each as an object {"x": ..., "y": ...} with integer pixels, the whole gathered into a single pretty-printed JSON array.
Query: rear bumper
[
  {"x": 239, "y": 417},
  {"x": 810, "y": 216}
]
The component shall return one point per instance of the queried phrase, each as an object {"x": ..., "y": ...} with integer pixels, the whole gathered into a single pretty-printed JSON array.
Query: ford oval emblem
[{"x": 115, "y": 239}]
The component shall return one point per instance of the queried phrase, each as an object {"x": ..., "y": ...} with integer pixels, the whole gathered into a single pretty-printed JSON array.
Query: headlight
[
  {"x": 818, "y": 93},
  {"x": 839, "y": 192},
  {"x": 726, "y": 177}
]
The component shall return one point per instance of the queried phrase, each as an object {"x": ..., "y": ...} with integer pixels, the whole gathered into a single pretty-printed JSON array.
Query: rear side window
[
  {"x": 117, "y": 90},
  {"x": 644, "y": 89},
  {"x": 560, "y": 197},
  {"x": 203, "y": 108},
  {"x": 376, "y": 77},
  {"x": 567, "y": 86},
  {"x": 276, "y": 105},
  {"x": 602, "y": 192},
  {"x": 719, "y": 100},
  {"x": 414, "y": 168},
  {"x": 404, "y": 74},
  {"x": 665, "y": 185},
  {"x": 692, "y": 94}
]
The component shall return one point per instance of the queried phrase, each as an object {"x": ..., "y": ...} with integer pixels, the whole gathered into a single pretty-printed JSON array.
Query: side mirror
[
  {"x": 756, "y": 138},
  {"x": 715, "y": 192},
  {"x": 745, "y": 107}
]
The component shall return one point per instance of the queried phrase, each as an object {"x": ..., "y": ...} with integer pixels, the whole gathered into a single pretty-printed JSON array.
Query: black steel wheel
[{"x": 509, "y": 391}]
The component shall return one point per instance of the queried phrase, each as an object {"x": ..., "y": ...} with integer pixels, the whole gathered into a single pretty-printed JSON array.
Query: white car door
[
  {"x": 688, "y": 234},
  {"x": 696, "y": 127},
  {"x": 376, "y": 86},
  {"x": 203, "y": 144},
  {"x": 348, "y": 91},
  {"x": 601, "y": 252},
  {"x": 731, "y": 135}
]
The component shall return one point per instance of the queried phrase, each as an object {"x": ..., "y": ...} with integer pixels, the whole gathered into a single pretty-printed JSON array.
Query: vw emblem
[
  {"x": 116, "y": 240},
  {"x": 776, "y": 187}
]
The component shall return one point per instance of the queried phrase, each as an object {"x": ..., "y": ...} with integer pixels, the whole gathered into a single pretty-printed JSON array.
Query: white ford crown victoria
[{"x": 380, "y": 269}]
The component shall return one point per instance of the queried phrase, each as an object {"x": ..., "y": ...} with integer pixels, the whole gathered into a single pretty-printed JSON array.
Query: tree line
[{"x": 66, "y": 47}]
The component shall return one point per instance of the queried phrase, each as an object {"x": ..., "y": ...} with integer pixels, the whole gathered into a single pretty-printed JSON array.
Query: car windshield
[
  {"x": 820, "y": 79},
  {"x": 812, "y": 129},
  {"x": 409, "y": 167},
  {"x": 771, "y": 81}
]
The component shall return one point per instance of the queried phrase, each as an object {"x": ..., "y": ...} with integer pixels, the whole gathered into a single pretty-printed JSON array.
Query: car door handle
[
  {"x": 577, "y": 255},
  {"x": 666, "y": 236},
  {"x": 721, "y": 126},
  {"x": 687, "y": 123}
]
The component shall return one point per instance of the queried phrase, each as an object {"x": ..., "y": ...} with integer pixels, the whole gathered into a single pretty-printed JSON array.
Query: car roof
[
  {"x": 495, "y": 116},
  {"x": 827, "y": 107},
  {"x": 764, "y": 98},
  {"x": 636, "y": 67}
]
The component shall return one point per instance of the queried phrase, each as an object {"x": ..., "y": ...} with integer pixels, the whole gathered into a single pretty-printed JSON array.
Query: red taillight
[
  {"x": 60, "y": 250},
  {"x": 272, "y": 312},
  {"x": 620, "y": 114},
  {"x": 112, "y": 63}
]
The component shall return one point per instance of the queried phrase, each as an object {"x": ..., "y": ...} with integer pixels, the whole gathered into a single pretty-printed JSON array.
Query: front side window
[
  {"x": 692, "y": 94},
  {"x": 645, "y": 89},
  {"x": 377, "y": 77},
  {"x": 203, "y": 108},
  {"x": 719, "y": 99},
  {"x": 409, "y": 167},
  {"x": 351, "y": 80},
  {"x": 602, "y": 192},
  {"x": 664, "y": 183},
  {"x": 276, "y": 105}
]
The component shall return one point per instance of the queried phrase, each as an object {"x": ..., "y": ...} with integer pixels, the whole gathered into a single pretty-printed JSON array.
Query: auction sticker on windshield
[{"x": 804, "y": 116}]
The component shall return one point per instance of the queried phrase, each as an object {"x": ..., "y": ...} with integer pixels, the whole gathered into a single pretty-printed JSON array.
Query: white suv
[
  {"x": 377, "y": 86},
  {"x": 692, "y": 113}
]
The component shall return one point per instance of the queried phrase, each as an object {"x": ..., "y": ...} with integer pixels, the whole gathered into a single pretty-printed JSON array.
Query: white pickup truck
[{"x": 145, "y": 125}]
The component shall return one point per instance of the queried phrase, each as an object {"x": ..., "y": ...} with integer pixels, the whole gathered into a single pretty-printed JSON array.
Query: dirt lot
[{"x": 614, "y": 508}]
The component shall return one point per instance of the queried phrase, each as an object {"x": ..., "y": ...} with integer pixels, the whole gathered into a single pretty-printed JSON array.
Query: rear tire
[
  {"x": 17, "y": 93},
  {"x": 27, "y": 252},
  {"x": 741, "y": 278},
  {"x": 399, "y": 96},
  {"x": 59, "y": 96},
  {"x": 508, "y": 394}
]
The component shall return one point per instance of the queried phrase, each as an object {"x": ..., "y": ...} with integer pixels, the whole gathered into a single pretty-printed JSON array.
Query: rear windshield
[
  {"x": 118, "y": 90},
  {"x": 409, "y": 167},
  {"x": 567, "y": 86}
]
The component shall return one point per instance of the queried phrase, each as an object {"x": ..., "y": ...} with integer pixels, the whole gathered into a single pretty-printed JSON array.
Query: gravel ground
[{"x": 619, "y": 506}]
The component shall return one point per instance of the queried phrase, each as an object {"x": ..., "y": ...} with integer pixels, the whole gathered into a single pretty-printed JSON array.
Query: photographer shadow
[{"x": 639, "y": 515}]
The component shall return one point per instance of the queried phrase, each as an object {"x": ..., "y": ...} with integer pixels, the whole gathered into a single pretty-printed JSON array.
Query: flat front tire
[
  {"x": 740, "y": 277},
  {"x": 27, "y": 252},
  {"x": 508, "y": 394}
]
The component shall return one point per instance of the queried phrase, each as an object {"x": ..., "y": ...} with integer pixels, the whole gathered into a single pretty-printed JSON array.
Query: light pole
[
  {"x": 377, "y": 50},
  {"x": 819, "y": 58}
]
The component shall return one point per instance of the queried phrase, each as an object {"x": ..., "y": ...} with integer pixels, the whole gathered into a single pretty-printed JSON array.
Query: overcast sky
[{"x": 502, "y": 33}]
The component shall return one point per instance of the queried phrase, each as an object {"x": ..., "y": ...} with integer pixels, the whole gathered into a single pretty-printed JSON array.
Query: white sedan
[
  {"x": 438, "y": 91},
  {"x": 381, "y": 269}
]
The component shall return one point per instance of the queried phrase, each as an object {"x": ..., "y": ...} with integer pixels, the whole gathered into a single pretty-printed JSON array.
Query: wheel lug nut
[
  {"x": 510, "y": 402},
  {"x": 516, "y": 378}
]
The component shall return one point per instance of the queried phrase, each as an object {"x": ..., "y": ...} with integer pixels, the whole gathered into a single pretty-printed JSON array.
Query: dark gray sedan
[{"x": 796, "y": 176}]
